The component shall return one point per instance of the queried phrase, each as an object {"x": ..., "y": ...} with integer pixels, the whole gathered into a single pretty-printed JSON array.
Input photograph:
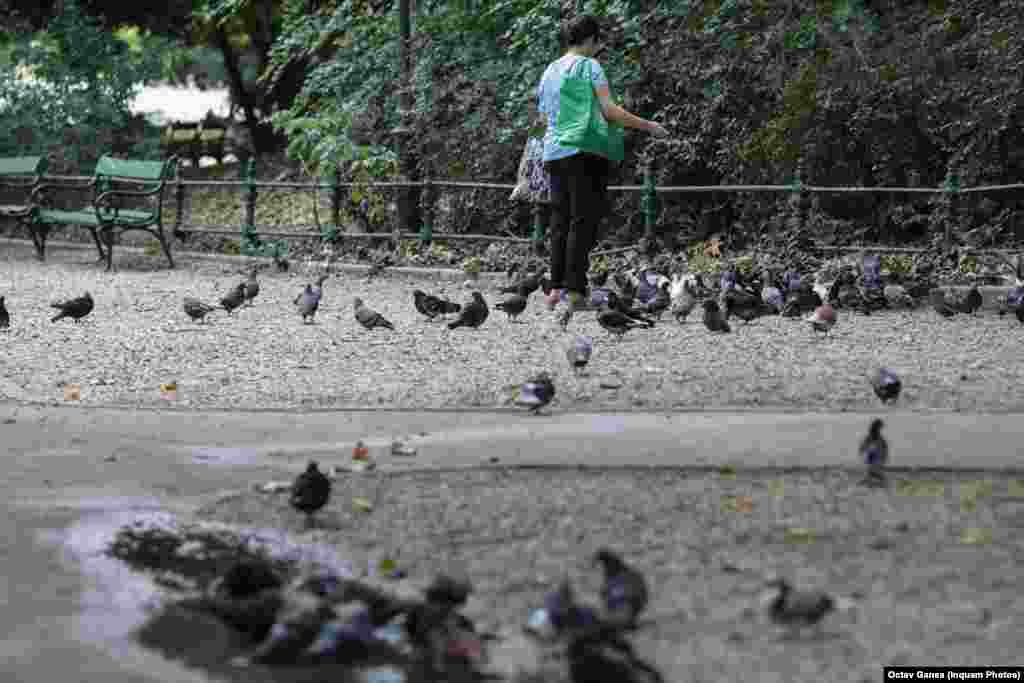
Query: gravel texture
[
  {"x": 138, "y": 338},
  {"x": 928, "y": 572}
]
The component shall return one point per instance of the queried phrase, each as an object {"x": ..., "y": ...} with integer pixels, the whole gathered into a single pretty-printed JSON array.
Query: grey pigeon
[
  {"x": 234, "y": 298},
  {"x": 874, "y": 449},
  {"x": 795, "y": 609},
  {"x": 369, "y": 318},
  {"x": 433, "y": 306},
  {"x": 772, "y": 295},
  {"x": 310, "y": 491},
  {"x": 76, "y": 308},
  {"x": 196, "y": 309},
  {"x": 307, "y": 303},
  {"x": 513, "y": 306},
  {"x": 713, "y": 318},
  {"x": 5, "y": 317},
  {"x": 537, "y": 392},
  {"x": 660, "y": 303},
  {"x": 886, "y": 385},
  {"x": 473, "y": 314},
  {"x": 1014, "y": 299},
  {"x": 971, "y": 302},
  {"x": 252, "y": 287},
  {"x": 578, "y": 354},
  {"x": 624, "y": 592}
]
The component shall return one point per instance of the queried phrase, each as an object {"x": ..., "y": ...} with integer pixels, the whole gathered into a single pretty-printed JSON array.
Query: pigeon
[
  {"x": 513, "y": 306},
  {"x": 369, "y": 318},
  {"x": 281, "y": 263},
  {"x": 252, "y": 287},
  {"x": 772, "y": 296},
  {"x": 823, "y": 318},
  {"x": 448, "y": 591},
  {"x": 660, "y": 303},
  {"x": 537, "y": 392},
  {"x": 433, "y": 306},
  {"x": 5, "y": 317},
  {"x": 234, "y": 298},
  {"x": 747, "y": 310},
  {"x": 941, "y": 306},
  {"x": 605, "y": 656},
  {"x": 684, "y": 299},
  {"x": 196, "y": 309},
  {"x": 621, "y": 305},
  {"x": 76, "y": 308},
  {"x": 896, "y": 295},
  {"x": 578, "y": 354},
  {"x": 318, "y": 288},
  {"x": 523, "y": 287},
  {"x": 794, "y": 608},
  {"x": 245, "y": 578},
  {"x": 971, "y": 302},
  {"x": 310, "y": 491},
  {"x": 1014, "y": 299},
  {"x": 886, "y": 385},
  {"x": 473, "y": 314},
  {"x": 800, "y": 298},
  {"x": 874, "y": 449},
  {"x": 713, "y": 318},
  {"x": 616, "y": 322},
  {"x": 624, "y": 592},
  {"x": 307, "y": 303}
]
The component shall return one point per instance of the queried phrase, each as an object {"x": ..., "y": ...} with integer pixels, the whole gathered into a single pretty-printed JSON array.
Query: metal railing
[{"x": 252, "y": 240}]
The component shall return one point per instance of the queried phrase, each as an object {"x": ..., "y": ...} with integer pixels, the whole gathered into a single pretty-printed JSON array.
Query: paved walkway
[{"x": 64, "y": 464}]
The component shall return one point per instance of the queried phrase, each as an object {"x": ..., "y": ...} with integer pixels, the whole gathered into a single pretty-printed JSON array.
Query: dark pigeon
[
  {"x": 1014, "y": 300},
  {"x": 196, "y": 309},
  {"x": 624, "y": 592},
  {"x": 617, "y": 323},
  {"x": 621, "y": 305},
  {"x": 432, "y": 306},
  {"x": 513, "y": 306},
  {"x": 252, "y": 287},
  {"x": 747, "y": 309},
  {"x": 886, "y": 385},
  {"x": 971, "y": 302},
  {"x": 795, "y": 609},
  {"x": 473, "y": 314},
  {"x": 525, "y": 286},
  {"x": 5, "y": 317},
  {"x": 607, "y": 657},
  {"x": 537, "y": 392},
  {"x": 234, "y": 298},
  {"x": 660, "y": 303},
  {"x": 310, "y": 491},
  {"x": 76, "y": 308},
  {"x": 941, "y": 306},
  {"x": 369, "y": 318},
  {"x": 713, "y": 318},
  {"x": 874, "y": 449}
]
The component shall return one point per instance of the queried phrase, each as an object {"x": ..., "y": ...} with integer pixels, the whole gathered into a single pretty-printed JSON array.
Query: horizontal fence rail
[{"x": 252, "y": 242}]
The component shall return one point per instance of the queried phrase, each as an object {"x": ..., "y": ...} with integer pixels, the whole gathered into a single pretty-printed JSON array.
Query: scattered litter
[
  {"x": 400, "y": 449},
  {"x": 72, "y": 392},
  {"x": 360, "y": 451},
  {"x": 355, "y": 467},
  {"x": 274, "y": 486},
  {"x": 169, "y": 391},
  {"x": 388, "y": 569},
  {"x": 539, "y": 624},
  {"x": 611, "y": 384},
  {"x": 384, "y": 674},
  {"x": 362, "y": 505},
  {"x": 110, "y": 458}
]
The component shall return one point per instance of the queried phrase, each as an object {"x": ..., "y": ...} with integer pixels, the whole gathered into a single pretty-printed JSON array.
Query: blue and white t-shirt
[{"x": 547, "y": 99}]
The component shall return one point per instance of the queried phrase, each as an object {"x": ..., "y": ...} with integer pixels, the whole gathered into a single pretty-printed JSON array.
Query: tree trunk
[{"x": 234, "y": 73}]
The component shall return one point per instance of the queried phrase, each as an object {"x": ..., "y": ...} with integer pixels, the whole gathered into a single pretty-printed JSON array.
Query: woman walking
[{"x": 579, "y": 180}]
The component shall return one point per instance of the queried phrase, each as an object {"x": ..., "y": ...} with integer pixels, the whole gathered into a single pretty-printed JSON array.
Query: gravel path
[
  {"x": 932, "y": 566},
  {"x": 264, "y": 357}
]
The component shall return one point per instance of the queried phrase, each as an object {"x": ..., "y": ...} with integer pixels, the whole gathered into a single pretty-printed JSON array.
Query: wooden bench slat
[
  {"x": 22, "y": 166},
  {"x": 130, "y": 168}
]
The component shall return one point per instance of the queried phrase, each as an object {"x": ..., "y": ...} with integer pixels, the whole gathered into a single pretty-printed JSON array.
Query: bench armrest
[{"x": 38, "y": 195}]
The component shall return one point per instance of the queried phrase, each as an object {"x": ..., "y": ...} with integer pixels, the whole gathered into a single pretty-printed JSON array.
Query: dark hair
[{"x": 576, "y": 31}]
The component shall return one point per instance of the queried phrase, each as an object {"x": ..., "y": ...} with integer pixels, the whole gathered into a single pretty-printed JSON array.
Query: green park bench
[
  {"x": 19, "y": 176},
  {"x": 113, "y": 208}
]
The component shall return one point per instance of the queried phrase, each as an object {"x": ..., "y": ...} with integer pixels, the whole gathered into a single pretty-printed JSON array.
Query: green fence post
[
  {"x": 250, "y": 240},
  {"x": 329, "y": 231},
  {"x": 335, "y": 195},
  {"x": 179, "y": 202},
  {"x": 649, "y": 204},
  {"x": 951, "y": 187},
  {"x": 426, "y": 213},
  {"x": 538, "y": 225}
]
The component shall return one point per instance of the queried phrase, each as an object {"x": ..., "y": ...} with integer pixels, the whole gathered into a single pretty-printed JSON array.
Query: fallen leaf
[
  {"x": 799, "y": 535},
  {"x": 1016, "y": 488},
  {"x": 728, "y": 471},
  {"x": 361, "y": 505},
  {"x": 976, "y": 536},
  {"x": 72, "y": 392},
  {"x": 775, "y": 487},
  {"x": 920, "y": 488}
]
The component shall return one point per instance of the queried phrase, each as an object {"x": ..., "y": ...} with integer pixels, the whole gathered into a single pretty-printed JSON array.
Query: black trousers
[{"x": 579, "y": 189}]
